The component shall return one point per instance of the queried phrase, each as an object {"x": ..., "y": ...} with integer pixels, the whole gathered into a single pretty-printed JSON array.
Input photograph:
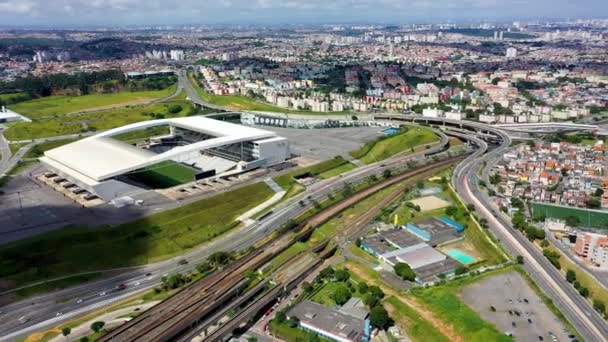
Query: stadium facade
[{"x": 100, "y": 163}]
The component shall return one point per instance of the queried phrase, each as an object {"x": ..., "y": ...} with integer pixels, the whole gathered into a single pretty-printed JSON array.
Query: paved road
[
  {"x": 5, "y": 153},
  {"x": 34, "y": 314},
  {"x": 578, "y": 311}
]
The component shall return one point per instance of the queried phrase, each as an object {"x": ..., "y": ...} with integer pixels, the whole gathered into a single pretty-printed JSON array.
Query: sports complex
[{"x": 191, "y": 148}]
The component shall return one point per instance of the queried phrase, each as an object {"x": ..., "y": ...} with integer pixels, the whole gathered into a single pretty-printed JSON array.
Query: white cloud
[{"x": 159, "y": 11}]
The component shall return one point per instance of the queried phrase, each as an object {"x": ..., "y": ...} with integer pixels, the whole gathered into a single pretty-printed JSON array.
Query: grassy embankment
[
  {"x": 61, "y": 105},
  {"x": 151, "y": 239},
  {"x": 413, "y": 139},
  {"x": 327, "y": 169},
  {"x": 94, "y": 122}
]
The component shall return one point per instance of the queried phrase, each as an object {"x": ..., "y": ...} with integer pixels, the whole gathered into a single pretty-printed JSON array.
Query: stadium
[{"x": 184, "y": 150}]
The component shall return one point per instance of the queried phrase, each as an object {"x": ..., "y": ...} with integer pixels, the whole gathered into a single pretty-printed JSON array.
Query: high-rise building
[
  {"x": 177, "y": 55},
  {"x": 495, "y": 35},
  {"x": 501, "y": 36},
  {"x": 511, "y": 52}
]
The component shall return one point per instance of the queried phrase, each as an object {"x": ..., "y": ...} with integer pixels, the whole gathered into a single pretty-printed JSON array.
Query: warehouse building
[
  {"x": 99, "y": 164},
  {"x": 346, "y": 324}
]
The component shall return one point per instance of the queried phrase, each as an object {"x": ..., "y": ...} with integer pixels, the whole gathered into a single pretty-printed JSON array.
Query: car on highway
[
  {"x": 121, "y": 286},
  {"x": 102, "y": 294},
  {"x": 79, "y": 301}
]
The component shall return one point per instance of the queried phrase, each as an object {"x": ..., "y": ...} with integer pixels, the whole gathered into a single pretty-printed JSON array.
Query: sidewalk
[{"x": 279, "y": 193}]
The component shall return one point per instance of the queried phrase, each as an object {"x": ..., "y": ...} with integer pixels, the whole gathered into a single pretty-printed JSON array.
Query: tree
[
  {"x": 570, "y": 276},
  {"x": 84, "y": 339},
  {"x": 174, "y": 108},
  {"x": 404, "y": 271},
  {"x": 599, "y": 306},
  {"x": 451, "y": 211},
  {"x": 420, "y": 185},
  {"x": 594, "y": 202},
  {"x": 470, "y": 207},
  {"x": 387, "y": 173},
  {"x": 461, "y": 270},
  {"x": 280, "y": 316},
  {"x": 370, "y": 300},
  {"x": 379, "y": 318},
  {"x": 341, "y": 294},
  {"x": 327, "y": 272},
  {"x": 520, "y": 259},
  {"x": 307, "y": 287},
  {"x": 599, "y": 192},
  {"x": 341, "y": 275},
  {"x": 97, "y": 326},
  {"x": 66, "y": 331},
  {"x": 362, "y": 288},
  {"x": 583, "y": 291},
  {"x": 219, "y": 259}
]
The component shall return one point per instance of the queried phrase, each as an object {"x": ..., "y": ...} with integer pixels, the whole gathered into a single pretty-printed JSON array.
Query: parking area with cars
[{"x": 508, "y": 301}]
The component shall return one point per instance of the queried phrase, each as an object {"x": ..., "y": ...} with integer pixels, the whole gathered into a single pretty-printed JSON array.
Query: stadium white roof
[{"x": 100, "y": 157}]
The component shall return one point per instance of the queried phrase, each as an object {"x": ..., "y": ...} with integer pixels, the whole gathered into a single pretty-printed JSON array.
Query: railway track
[{"x": 175, "y": 314}]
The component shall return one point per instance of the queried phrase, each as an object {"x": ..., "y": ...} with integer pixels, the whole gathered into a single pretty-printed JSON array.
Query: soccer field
[
  {"x": 587, "y": 217},
  {"x": 164, "y": 175}
]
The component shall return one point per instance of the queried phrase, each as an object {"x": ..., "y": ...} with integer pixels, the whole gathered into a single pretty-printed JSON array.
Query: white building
[
  {"x": 212, "y": 147},
  {"x": 432, "y": 113},
  {"x": 511, "y": 52},
  {"x": 177, "y": 55}
]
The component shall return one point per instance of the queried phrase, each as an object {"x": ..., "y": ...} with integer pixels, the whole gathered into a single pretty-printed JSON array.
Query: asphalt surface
[
  {"x": 25, "y": 317},
  {"x": 21, "y": 318},
  {"x": 578, "y": 311}
]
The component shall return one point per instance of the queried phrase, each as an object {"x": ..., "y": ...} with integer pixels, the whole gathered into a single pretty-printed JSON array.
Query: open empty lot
[
  {"x": 509, "y": 292},
  {"x": 429, "y": 203}
]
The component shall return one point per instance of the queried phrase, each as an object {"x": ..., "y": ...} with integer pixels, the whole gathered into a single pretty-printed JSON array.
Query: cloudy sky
[{"x": 137, "y": 12}]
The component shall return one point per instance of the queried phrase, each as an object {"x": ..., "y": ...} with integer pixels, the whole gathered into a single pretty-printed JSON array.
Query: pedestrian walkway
[{"x": 279, "y": 193}]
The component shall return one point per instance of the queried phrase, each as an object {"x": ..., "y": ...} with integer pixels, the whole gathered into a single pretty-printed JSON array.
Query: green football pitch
[
  {"x": 164, "y": 175},
  {"x": 586, "y": 217}
]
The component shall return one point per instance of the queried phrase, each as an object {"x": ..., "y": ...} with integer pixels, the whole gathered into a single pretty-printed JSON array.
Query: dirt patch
[
  {"x": 446, "y": 329},
  {"x": 429, "y": 203}
]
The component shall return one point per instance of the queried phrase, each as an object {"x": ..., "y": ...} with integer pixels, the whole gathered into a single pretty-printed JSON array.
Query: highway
[
  {"x": 22, "y": 318},
  {"x": 579, "y": 312},
  {"x": 34, "y": 314}
]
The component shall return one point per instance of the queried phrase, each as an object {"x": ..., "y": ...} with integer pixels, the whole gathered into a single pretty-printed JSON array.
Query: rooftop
[{"x": 99, "y": 157}]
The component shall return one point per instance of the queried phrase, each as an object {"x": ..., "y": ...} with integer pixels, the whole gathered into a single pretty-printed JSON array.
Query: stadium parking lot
[
  {"x": 519, "y": 310},
  {"x": 322, "y": 144}
]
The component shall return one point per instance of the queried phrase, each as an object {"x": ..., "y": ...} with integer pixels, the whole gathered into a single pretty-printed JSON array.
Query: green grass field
[
  {"x": 164, "y": 175},
  {"x": 587, "y": 217},
  {"x": 13, "y": 97},
  {"x": 416, "y": 327},
  {"x": 142, "y": 134},
  {"x": 445, "y": 303},
  {"x": 386, "y": 147},
  {"x": 286, "y": 181},
  {"x": 150, "y": 239},
  {"x": 94, "y": 122},
  {"x": 38, "y": 150},
  {"x": 61, "y": 105},
  {"x": 338, "y": 170}
]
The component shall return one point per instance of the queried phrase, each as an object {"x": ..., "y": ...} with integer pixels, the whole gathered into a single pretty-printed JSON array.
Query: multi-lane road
[
  {"x": 579, "y": 312},
  {"x": 24, "y": 317}
]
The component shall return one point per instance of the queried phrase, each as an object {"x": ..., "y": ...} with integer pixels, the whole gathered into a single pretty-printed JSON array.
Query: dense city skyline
[{"x": 141, "y": 12}]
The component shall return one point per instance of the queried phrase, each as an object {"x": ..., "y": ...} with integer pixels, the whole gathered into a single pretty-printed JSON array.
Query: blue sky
[{"x": 141, "y": 12}]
